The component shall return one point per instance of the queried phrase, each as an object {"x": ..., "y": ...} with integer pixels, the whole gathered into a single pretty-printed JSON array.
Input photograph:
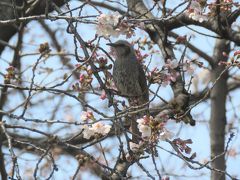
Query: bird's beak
[{"x": 111, "y": 44}]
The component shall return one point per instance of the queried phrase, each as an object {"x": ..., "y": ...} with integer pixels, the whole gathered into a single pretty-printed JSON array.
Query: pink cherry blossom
[
  {"x": 86, "y": 115},
  {"x": 103, "y": 95},
  {"x": 172, "y": 64},
  {"x": 81, "y": 78},
  {"x": 236, "y": 53}
]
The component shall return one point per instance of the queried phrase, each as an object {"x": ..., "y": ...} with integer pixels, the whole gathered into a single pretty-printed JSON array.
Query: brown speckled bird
[{"x": 130, "y": 80}]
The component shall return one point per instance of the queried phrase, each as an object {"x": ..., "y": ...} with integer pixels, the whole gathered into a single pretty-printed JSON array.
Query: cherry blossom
[
  {"x": 100, "y": 128},
  {"x": 10, "y": 75},
  {"x": 237, "y": 53},
  {"x": 112, "y": 25},
  {"x": 181, "y": 39},
  {"x": 107, "y": 23},
  {"x": 165, "y": 178},
  {"x": 165, "y": 134},
  {"x": 86, "y": 115},
  {"x": 140, "y": 121},
  {"x": 172, "y": 64},
  {"x": 145, "y": 130},
  {"x": 96, "y": 128},
  {"x": 189, "y": 68},
  {"x": 103, "y": 95},
  {"x": 195, "y": 11},
  {"x": 183, "y": 146},
  {"x": 168, "y": 77},
  {"x": 87, "y": 132},
  {"x": 164, "y": 114},
  {"x": 81, "y": 78},
  {"x": 144, "y": 127}
]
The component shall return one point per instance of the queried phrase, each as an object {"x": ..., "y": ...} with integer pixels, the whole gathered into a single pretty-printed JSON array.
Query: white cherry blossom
[
  {"x": 145, "y": 130},
  {"x": 96, "y": 128},
  {"x": 83, "y": 116},
  {"x": 144, "y": 127},
  {"x": 195, "y": 11},
  {"x": 107, "y": 24},
  {"x": 86, "y": 115},
  {"x": 87, "y": 132},
  {"x": 140, "y": 121},
  {"x": 165, "y": 134},
  {"x": 100, "y": 128}
]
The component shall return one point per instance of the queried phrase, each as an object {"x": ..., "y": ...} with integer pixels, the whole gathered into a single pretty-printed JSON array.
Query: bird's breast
[{"x": 125, "y": 76}]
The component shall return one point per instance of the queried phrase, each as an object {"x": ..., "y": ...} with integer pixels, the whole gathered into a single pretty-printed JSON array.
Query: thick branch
[{"x": 218, "y": 109}]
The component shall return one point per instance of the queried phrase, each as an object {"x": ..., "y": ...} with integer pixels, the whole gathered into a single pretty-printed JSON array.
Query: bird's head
[{"x": 122, "y": 48}]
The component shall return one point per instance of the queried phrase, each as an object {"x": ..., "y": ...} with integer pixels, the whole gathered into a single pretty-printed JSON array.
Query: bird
[{"x": 130, "y": 81}]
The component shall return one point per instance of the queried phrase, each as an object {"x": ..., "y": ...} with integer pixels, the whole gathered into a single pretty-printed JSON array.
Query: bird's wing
[{"x": 143, "y": 82}]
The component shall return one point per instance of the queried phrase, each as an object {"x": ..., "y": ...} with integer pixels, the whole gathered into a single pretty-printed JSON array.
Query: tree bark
[
  {"x": 7, "y": 12},
  {"x": 218, "y": 109}
]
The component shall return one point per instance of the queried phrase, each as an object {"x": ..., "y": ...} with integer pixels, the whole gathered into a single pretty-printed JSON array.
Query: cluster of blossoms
[
  {"x": 168, "y": 77},
  {"x": 84, "y": 81},
  {"x": 164, "y": 76},
  {"x": 237, "y": 54},
  {"x": 113, "y": 25},
  {"x": 102, "y": 62},
  {"x": 86, "y": 73},
  {"x": 168, "y": 73},
  {"x": 153, "y": 131},
  {"x": 181, "y": 39},
  {"x": 150, "y": 130},
  {"x": 144, "y": 128},
  {"x": 183, "y": 145},
  {"x": 87, "y": 115},
  {"x": 44, "y": 48},
  {"x": 97, "y": 128},
  {"x": 195, "y": 11},
  {"x": 148, "y": 126},
  {"x": 234, "y": 61},
  {"x": 105, "y": 67},
  {"x": 11, "y": 74},
  {"x": 225, "y": 5}
]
